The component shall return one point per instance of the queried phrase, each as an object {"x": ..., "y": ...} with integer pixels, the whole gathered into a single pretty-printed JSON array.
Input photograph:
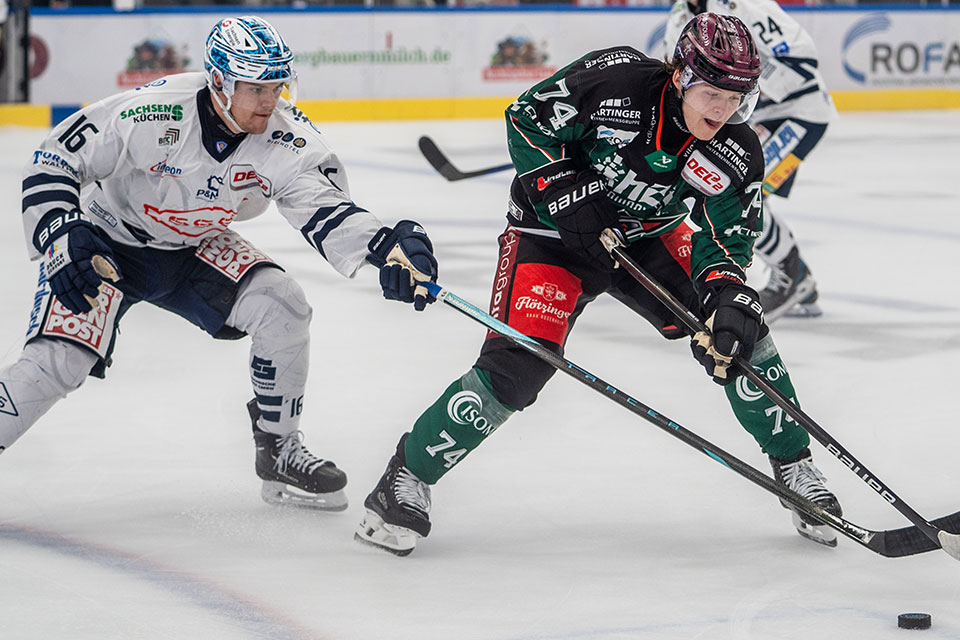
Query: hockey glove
[
  {"x": 581, "y": 212},
  {"x": 405, "y": 258},
  {"x": 75, "y": 259},
  {"x": 734, "y": 318}
]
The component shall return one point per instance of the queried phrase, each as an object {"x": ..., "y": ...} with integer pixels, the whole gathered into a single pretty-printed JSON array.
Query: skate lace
[
  {"x": 779, "y": 281},
  {"x": 293, "y": 454},
  {"x": 411, "y": 492},
  {"x": 803, "y": 477}
]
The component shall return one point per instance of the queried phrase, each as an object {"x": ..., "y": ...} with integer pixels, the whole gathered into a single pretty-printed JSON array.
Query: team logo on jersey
[
  {"x": 616, "y": 137},
  {"x": 781, "y": 143},
  {"x": 165, "y": 169},
  {"x": 170, "y": 137},
  {"x": 704, "y": 176},
  {"x": 6, "y": 403},
  {"x": 244, "y": 176},
  {"x": 155, "y": 83},
  {"x": 548, "y": 291},
  {"x": 192, "y": 223},
  {"x": 48, "y": 159},
  {"x": 661, "y": 161},
  {"x": 287, "y": 140},
  {"x": 620, "y": 56},
  {"x": 154, "y": 113},
  {"x": 212, "y": 190}
]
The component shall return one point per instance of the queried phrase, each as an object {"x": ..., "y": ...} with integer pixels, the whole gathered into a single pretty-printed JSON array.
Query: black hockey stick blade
[
  {"x": 908, "y": 541},
  {"x": 895, "y": 543},
  {"x": 439, "y": 161}
]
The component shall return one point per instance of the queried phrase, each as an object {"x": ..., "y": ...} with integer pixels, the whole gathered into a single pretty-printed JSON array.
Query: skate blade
[
  {"x": 278, "y": 493},
  {"x": 801, "y": 310},
  {"x": 373, "y": 531},
  {"x": 819, "y": 533}
]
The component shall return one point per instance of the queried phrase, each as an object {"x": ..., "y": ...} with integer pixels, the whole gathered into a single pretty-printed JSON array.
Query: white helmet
[{"x": 249, "y": 49}]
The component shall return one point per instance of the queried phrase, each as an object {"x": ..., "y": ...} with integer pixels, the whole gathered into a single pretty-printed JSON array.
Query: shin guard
[
  {"x": 453, "y": 426},
  {"x": 776, "y": 432}
]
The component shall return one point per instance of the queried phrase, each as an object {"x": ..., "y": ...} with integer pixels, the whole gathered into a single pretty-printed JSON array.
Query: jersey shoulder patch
[
  {"x": 292, "y": 133},
  {"x": 604, "y": 58},
  {"x": 702, "y": 173},
  {"x": 734, "y": 152}
]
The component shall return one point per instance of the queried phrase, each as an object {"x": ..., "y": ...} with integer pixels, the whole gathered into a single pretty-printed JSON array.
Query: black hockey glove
[
  {"x": 734, "y": 316},
  {"x": 581, "y": 212},
  {"x": 76, "y": 261},
  {"x": 405, "y": 258}
]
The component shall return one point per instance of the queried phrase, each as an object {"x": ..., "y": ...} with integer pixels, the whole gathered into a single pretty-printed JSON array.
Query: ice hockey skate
[
  {"x": 790, "y": 283},
  {"x": 803, "y": 477},
  {"x": 398, "y": 509},
  {"x": 291, "y": 474}
]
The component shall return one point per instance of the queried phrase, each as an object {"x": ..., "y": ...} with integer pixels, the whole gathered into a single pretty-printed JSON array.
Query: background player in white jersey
[
  {"x": 791, "y": 117},
  {"x": 131, "y": 200}
]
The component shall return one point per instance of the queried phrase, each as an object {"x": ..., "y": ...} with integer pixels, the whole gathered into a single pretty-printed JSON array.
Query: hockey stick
[
  {"x": 894, "y": 543},
  {"x": 950, "y": 542},
  {"x": 439, "y": 161}
]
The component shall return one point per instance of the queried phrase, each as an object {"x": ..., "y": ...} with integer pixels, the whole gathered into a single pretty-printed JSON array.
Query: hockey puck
[{"x": 914, "y": 621}]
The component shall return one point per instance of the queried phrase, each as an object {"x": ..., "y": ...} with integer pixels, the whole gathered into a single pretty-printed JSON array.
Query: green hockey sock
[
  {"x": 776, "y": 432},
  {"x": 453, "y": 426}
]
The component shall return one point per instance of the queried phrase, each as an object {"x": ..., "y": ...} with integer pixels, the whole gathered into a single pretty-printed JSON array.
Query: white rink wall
[{"x": 350, "y": 54}]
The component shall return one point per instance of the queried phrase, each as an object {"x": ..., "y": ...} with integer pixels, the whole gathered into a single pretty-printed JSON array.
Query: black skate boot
[
  {"x": 398, "y": 509},
  {"x": 292, "y": 475},
  {"x": 803, "y": 477},
  {"x": 790, "y": 283}
]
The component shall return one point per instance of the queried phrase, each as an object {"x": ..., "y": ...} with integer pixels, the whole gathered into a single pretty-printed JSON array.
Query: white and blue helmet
[{"x": 248, "y": 49}]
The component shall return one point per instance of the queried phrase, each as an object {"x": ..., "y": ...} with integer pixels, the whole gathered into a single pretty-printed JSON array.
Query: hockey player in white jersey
[
  {"x": 791, "y": 117},
  {"x": 131, "y": 200}
]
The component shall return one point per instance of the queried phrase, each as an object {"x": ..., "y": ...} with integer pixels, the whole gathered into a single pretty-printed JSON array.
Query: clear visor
[
  {"x": 717, "y": 104},
  {"x": 289, "y": 86}
]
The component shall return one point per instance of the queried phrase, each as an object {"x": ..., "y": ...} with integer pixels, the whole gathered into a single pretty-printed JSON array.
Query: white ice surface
[{"x": 132, "y": 509}]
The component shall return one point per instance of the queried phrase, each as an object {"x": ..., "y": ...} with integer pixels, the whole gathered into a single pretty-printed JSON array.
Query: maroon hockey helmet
[{"x": 720, "y": 50}]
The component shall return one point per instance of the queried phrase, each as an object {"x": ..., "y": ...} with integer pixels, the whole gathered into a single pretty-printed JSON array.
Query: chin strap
[{"x": 225, "y": 108}]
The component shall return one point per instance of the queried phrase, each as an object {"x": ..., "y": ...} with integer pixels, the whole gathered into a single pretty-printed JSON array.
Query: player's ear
[{"x": 676, "y": 81}]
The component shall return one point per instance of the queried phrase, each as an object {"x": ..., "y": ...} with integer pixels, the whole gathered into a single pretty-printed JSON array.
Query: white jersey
[
  {"x": 790, "y": 84},
  {"x": 144, "y": 170}
]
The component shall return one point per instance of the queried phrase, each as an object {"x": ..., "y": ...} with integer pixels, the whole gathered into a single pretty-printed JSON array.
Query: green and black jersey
[{"x": 616, "y": 112}]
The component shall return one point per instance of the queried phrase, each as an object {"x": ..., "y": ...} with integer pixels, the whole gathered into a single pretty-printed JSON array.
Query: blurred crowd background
[{"x": 451, "y": 3}]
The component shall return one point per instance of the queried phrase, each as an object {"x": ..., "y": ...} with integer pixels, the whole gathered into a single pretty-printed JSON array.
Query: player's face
[
  {"x": 253, "y": 104},
  {"x": 706, "y": 108}
]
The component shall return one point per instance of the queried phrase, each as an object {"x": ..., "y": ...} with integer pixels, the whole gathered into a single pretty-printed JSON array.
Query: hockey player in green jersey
[{"x": 659, "y": 152}]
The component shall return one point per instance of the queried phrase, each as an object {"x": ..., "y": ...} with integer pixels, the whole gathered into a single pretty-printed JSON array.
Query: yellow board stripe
[
  {"x": 405, "y": 108},
  {"x": 26, "y": 115},
  {"x": 485, "y": 107},
  {"x": 896, "y": 100}
]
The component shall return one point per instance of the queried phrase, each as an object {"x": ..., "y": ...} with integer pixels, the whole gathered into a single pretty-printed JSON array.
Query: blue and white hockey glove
[
  {"x": 734, "y": 317},
  {"x": 405, "y": 258},
  {"x": 75, "y": 259}
]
